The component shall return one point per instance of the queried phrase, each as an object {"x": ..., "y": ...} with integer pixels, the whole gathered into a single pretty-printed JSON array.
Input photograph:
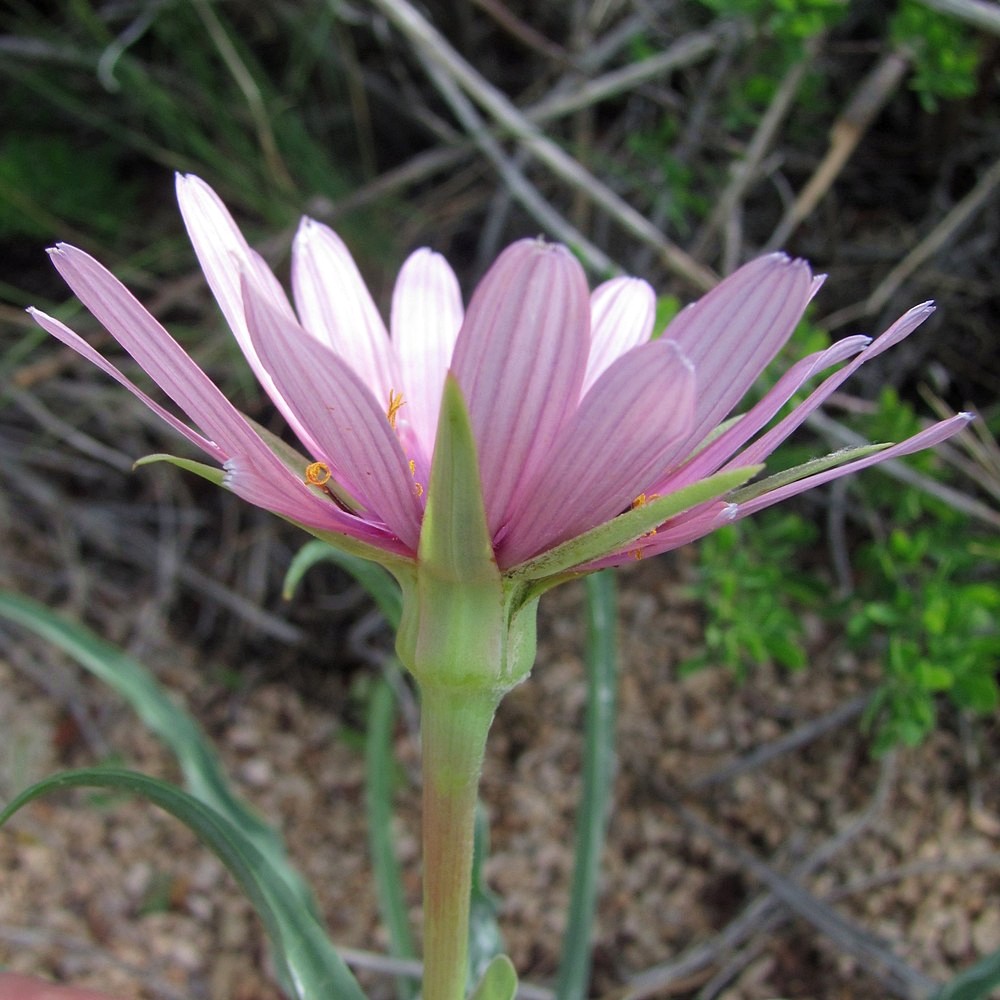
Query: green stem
[
  {"x": 598, "y": 782},
  {"x": 456, "y": 720}
]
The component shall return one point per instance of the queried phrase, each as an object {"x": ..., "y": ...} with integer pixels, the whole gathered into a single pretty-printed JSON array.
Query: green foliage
[
  {"x": 755, "y": 602},
  {"x": 44, "y": 180},
  {"x": 926, "y": 601},
  {"x": 677, "y": 191},
  {"x": 928, "y": 598},
  {"x": 944, "y": 52},
  {"x": 787, "y": 20}
]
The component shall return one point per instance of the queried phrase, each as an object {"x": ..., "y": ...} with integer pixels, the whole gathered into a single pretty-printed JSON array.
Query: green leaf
[
  {"x": 210, "y": 472},
  {"x": 376, "y": 580},
  {"x": 167, "y": 720},
  {"x": 379, "y": 771},
  {"x": 307, "y": 963},
  {"x": 598, "y": 779},
  {"x": 974, "y": 983},
  {"x": 616, "y": 534},
  {"x": 499, "y": 982},
  {"x": 485, "y": 939}
]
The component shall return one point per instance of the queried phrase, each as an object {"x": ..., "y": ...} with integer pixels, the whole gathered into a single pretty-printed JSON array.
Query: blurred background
[{"x": 671, "y": 140}]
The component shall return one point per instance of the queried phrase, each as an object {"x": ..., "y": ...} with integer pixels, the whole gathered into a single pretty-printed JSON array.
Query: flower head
[{"x": 582, "y": 426}]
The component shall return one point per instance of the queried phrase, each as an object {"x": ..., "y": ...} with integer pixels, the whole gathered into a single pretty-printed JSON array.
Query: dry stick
[
  {"x": 774, "y": 915},
  {"x": 889, "y": 968},
  {"x": 424, "y": 37},
  {"x": 686, "y": 51},
  {"x": 529, "y": 36},
  {"x": 745, "y": 171},
  {"x": 798, "y": 737},
  {"x": 983, "y": 466},
  {"x": 94, "y": 956},
  {"x": 981, "y": 13},
  {"x": 764, "y": 913},
  {"x": 519, "y": 186},
  {"x": 936, "y": 239},
  {"x": 866, "y": 102}
]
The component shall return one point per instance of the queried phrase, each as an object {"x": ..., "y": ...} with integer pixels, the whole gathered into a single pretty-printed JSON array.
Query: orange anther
[
  {"x": 396, "y": 402},
  {"x": 317, "y": 474}
]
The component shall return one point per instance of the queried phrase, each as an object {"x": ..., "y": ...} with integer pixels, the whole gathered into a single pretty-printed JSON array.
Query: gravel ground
[{"x": 712, "y": 809}]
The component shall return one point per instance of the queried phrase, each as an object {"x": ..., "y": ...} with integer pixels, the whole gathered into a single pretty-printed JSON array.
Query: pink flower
[{"x": 577, "y": 415}]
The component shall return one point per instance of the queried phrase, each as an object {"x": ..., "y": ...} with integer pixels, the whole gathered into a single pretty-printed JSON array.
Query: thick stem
[{"x": 455, "y": 722}]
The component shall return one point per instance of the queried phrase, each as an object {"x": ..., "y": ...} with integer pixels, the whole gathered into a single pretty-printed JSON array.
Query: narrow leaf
[
  {"x": 499, "y": 982},
  {"x": 598, "y": 778},
  {"x": 307, "y": 962},
  {"x": 177, "y": 729},
  {"x": 377, "y": 581},
  {"x": 210, "y": 472},
  {"x": 974, "y": 983},
  {"x": 379, "y": 771}
]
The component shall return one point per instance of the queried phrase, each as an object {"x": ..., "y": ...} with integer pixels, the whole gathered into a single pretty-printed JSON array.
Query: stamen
[
  {"x": 396, "y": 402},
  {"x": 317, "y": 474},
  {"x": 418, "y": 489}
]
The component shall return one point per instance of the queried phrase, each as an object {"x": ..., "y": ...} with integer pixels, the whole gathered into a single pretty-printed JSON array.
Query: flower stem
[{"x": 456, "y": 720}]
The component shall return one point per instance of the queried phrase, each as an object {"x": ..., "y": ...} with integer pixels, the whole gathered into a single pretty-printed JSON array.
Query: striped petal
[
  {"x": 628, "y": 428},
  {"x": 224, "y": 255},
  {"x": 711, "y": 457},
  {"x": 255, "y": 473},
  {"x": 426, "y": 318},
  {"x": 520, "y": 361},
  {"x": 902, "y": 328},
  {"x": 351, "y": 430},
  {"x": 622, "y": 313},
  {"x": 336, "y": 307},
  {"x": 733, "y": 332}
]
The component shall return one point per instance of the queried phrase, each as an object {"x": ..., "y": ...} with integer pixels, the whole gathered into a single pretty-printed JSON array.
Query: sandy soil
[{"x": 902, "y": 856}]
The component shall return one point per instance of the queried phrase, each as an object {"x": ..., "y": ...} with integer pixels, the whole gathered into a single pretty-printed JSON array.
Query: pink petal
[
  {"x": 255, "y": 473},
  {"x": 710, "y": 458},
  {"x": 766, "y": 444},
  {"x": 628, "y": 427},
  {"x": 426, "y": 318},
  {"x": 622, "y": 313},
  {"x": 928, "y": 438},
  {"x": 520, "y": 360},
  {"x": 224, "y": 254},
  {"x": 64, "y": 334},
  {"x": 337, "y": 309},
  {"x": 349, "y": 426},
  {"x": 733, "y": 332}
]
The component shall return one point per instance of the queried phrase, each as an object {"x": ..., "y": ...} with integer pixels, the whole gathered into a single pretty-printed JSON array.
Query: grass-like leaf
[
  {"x": 307, "y": 962},
  {"x": 178, "y": 731},
  {"x": 598, "y": 777}
]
